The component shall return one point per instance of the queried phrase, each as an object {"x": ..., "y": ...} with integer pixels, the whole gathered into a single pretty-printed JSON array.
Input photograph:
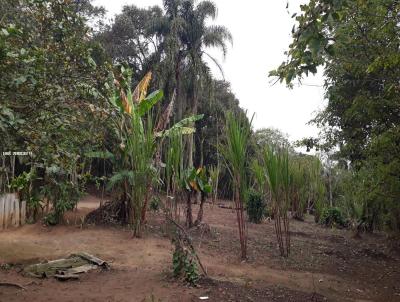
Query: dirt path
[{"x": 325, "y": 262}]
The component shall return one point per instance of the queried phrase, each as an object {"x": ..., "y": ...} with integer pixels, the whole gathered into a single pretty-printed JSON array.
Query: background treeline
[
  {"x": 57, "y": 67},
  {"x": 57, "y": 61},
  {"x": 357, "y": 43}
]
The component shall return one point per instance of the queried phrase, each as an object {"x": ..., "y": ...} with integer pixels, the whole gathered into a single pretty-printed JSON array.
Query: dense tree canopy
[
  {"x": 50, "y": 85},
  {"x": 56, "y": 81},
  {"x": 357, "y": 43},
  {"x": 59, "y": 85},
  {"x": 52, "y": 96}
]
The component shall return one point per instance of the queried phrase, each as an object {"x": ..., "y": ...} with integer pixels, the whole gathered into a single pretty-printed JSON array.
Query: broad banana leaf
[
  {"x": 148, "y": 103},
  {"x": 140, "y": 91},
  {"x": 120, "y": 177},
  {"x": 175, "y": 131},
  {"x": 123, "y": 102},
  {"x": 207, "y": 188},
  {"x": 194, "y": 185},
  {"x": 180, "y": 127},
  {"x": 116, "y": 101},
  {"x": 99, "y": 154}
]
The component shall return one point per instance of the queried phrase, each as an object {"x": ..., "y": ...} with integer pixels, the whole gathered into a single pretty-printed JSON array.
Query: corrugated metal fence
[{"x": 12, "y": 211}]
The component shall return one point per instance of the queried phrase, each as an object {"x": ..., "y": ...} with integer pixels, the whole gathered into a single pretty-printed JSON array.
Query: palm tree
[
  {"x": 187, "y": 38},
  {"x": 196, "y": 37}
]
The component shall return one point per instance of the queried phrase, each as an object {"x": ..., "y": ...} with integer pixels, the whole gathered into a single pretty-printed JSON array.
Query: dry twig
[{"x": 12, "y": 285}]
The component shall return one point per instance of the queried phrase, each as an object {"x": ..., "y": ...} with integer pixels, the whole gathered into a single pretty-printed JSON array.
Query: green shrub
[
  {"x": 51, "y": 219},
  {"x": 23, "y": 184},
  {"x": 184, "y": 265},
  {"x": 155, "y": 203},
  {"x": 255, "y": 206},
  {"x": 268, "y": 212},
  {"x": 332, "y": 217},
  {"x": 64, "y": 196}
]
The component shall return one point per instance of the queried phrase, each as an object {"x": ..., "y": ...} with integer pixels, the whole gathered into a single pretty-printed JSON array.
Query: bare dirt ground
[{"x": 325, "y": 264}]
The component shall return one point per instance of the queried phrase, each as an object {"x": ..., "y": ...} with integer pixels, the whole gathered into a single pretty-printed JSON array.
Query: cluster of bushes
[
  {"x": 332, "y": 217},
  {"x": 256, "y": 207},
  {"x": 184, "y": 264}
]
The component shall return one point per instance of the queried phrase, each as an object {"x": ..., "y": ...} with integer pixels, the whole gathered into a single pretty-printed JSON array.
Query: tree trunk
[
  {"x": 241, "y": 224},
  {"x": 177, "y": 83},
  {"x": 190, "y": 151},
  {"x": 146, "y": 201},
  {"x": 191, "y": 136},
  {"x": 200, "y": 213},
  {"x": 189, "y": 216},
  {"x": 330, "y": 188}
]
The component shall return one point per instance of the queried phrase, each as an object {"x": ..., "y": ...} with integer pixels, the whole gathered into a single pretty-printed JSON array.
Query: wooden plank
[
  {"x": 13, "y": 210},
  {"x": 80, "y": 269},
  {"x": 23, "y": 212},
  {"x": 10, "y": 210},
  {"x": 16, "y": 215},
  {"x": 91, "y": 258},
  {"x": 52, "y": 267},
  {"x": 7, "y": 211},
  {"x": 66, "y": 276},
  {"x": 2, "y": 199}
]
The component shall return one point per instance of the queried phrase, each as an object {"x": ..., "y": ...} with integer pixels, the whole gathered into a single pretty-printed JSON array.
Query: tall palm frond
[
  {"x": 120, "y": 177},
  {"x": 216, "y": 36},
  {"x": 171, "y": 7},
  {"x": 206, "y": 9},
  {"x": 218, "y": 64}
]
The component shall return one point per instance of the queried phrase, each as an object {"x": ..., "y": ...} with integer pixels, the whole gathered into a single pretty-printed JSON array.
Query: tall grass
[
  {"x": 234, "y": 151},
  {"x": 173, "y": 173},
  {"x": 214, "y": 177},
  {"x": 279, "y": 181}
]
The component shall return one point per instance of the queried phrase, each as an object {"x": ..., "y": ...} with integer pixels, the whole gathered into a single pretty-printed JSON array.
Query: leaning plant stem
[
  {"x": 241, "y": 224},
  {"x": 190, "y": 243},
  {"x": 146, "y": 201},
  {"x": 200, "y": 213},
  {"x": 189, "y": 217}
]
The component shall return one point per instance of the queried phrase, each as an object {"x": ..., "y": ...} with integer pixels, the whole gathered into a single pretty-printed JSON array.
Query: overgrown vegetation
[
  {"x": 235, "y": 153},
  {"x": 332, "y": 217},
  {"x": 279, "y": 181},
  {"x": 184, "y": 265},
  {"x": 255, "y": 206},
  {"x": 74, "y": 96},
  {"x": 357, "y": 45}
]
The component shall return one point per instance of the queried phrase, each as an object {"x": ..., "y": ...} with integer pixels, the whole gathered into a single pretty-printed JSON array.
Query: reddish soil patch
[{"x": 325, "y": 264}]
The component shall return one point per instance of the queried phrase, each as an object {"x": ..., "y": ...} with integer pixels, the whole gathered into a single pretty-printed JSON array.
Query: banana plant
[
  {"x": 195, "y": 181},
  {"x": 137, "y": 165}
]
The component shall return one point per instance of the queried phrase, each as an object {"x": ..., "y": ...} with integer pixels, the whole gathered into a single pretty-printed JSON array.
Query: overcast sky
[{"x": 261, "y": 33}]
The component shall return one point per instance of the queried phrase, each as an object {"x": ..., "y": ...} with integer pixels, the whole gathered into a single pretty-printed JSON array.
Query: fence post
[
  {"x": 2, "y": 202},
  {"x": 7, "y": 211},
  {"x": 16, "y": 215},
  {"x": 23, "y": 212}
]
